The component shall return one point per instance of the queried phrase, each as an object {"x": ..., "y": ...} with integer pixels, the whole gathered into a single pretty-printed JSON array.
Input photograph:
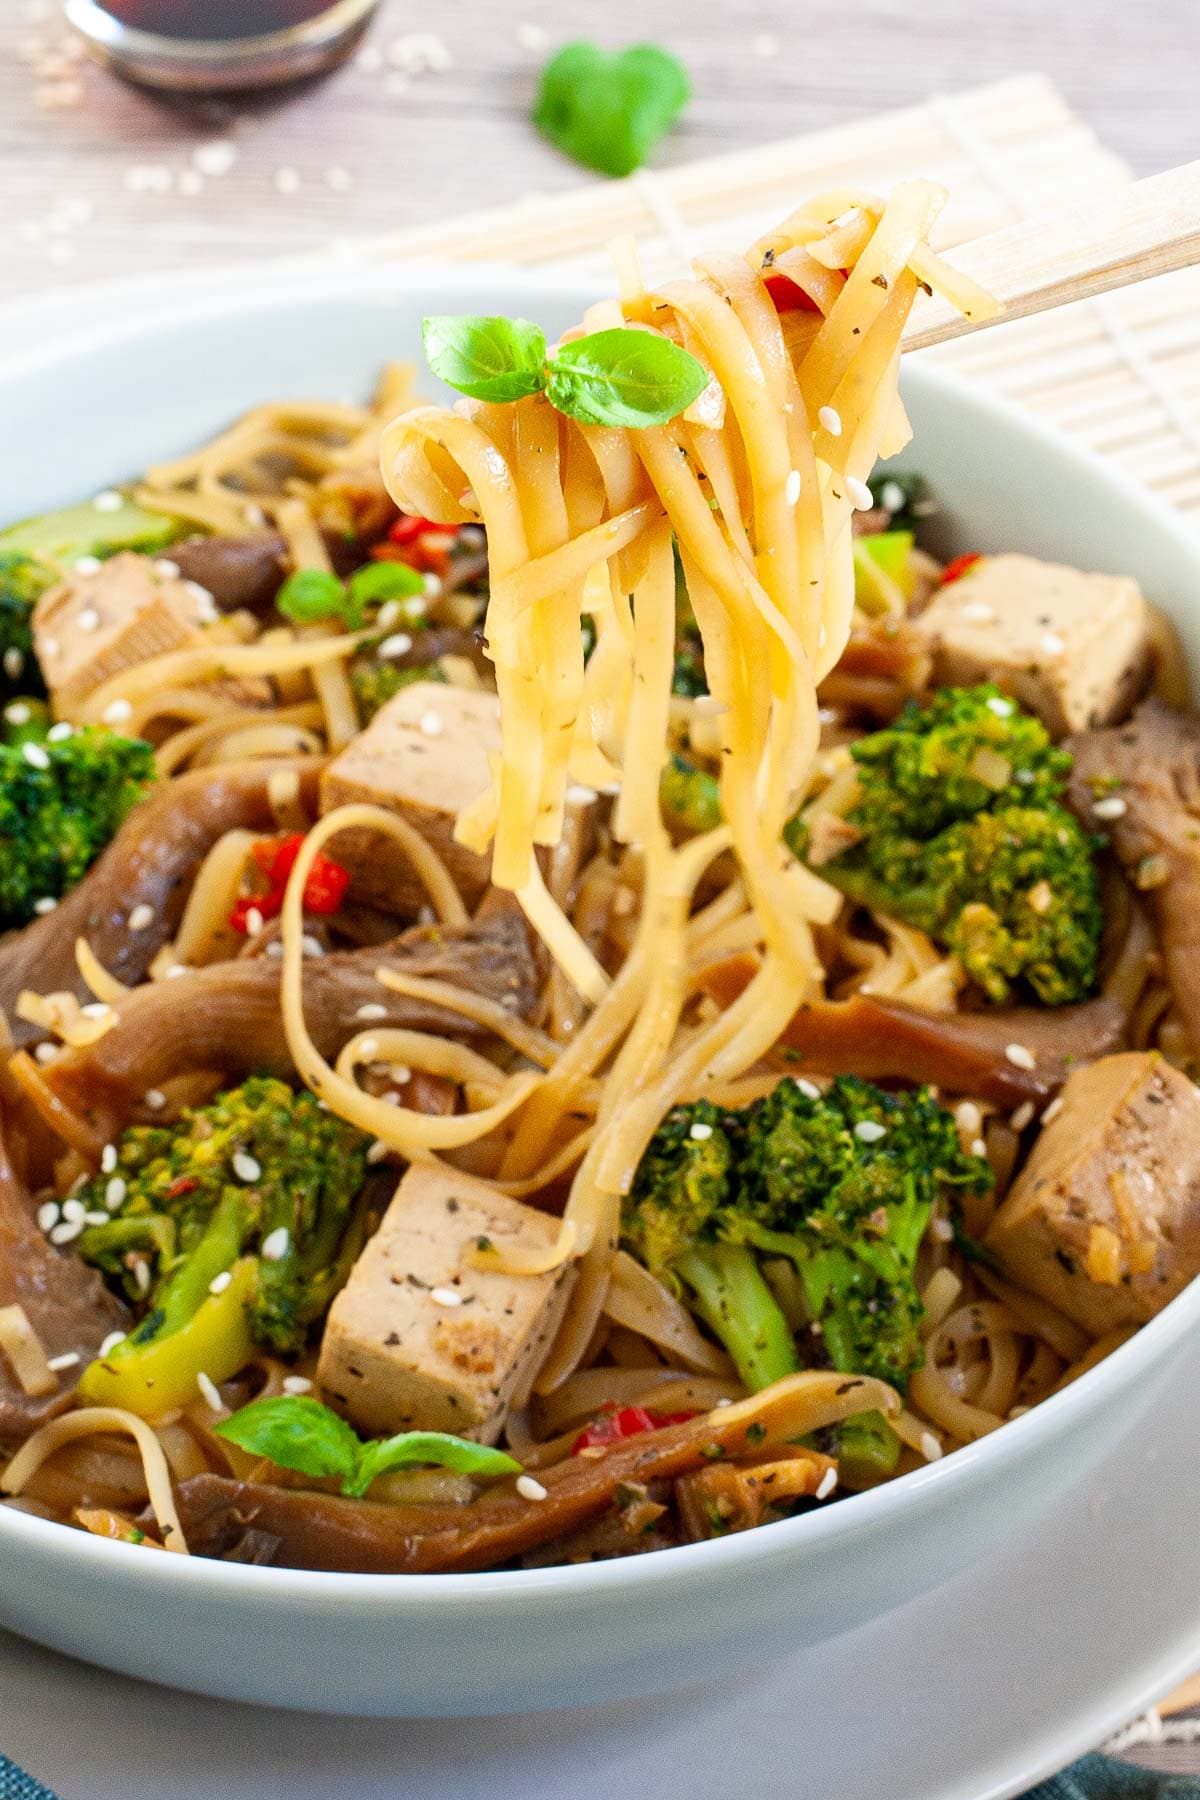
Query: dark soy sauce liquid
[{"x": 200, "y": 19}]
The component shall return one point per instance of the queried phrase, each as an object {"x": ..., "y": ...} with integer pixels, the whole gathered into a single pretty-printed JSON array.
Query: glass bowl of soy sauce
[{"x": 207, "y": 46}]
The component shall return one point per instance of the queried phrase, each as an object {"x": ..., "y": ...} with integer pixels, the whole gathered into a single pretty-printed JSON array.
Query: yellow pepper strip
[{"x": 161, "y": 1376}]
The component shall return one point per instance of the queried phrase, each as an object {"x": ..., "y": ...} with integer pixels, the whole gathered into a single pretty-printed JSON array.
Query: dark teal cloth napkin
[{"x": 1092, "y": 1778}]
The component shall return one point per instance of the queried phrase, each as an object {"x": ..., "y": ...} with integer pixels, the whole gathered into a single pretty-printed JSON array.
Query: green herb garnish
[
  {"x": 608, "y": 111},
  {"x": 300, "y": 1433},
  {"x": 312, "y": 594},
  {"x": 619, "y": 377}
]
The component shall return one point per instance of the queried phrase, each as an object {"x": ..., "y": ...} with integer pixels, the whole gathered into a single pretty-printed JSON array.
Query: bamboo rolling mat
[{"x": 1121, "y": 373}]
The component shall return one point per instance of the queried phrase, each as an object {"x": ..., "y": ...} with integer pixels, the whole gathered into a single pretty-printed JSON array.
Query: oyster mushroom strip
[
  {"x": 67, "y": 1305},
  {"x": 977, "y": 1053},
  {"x": 324, "y": 1531},
  {"x": 226, "y": 1017},
  {"x": 151, "y": 862}
]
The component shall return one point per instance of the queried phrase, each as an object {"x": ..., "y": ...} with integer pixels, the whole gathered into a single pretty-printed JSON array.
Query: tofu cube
[
  {"x": 399, "y": 1354},
  {"x": 92, "y": 626},
  {"x": 1104, "y": 1219},
  {"x": 1073, "y": 648},
  {"x": 425, "y": 756}
]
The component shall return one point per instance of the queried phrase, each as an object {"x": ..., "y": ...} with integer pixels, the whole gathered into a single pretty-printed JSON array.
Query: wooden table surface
[{"x": 99, "y": 179}]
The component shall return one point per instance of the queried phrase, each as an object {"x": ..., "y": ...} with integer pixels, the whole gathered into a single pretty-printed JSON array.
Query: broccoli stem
[
  {"x": 868, "y": 1450},
  {"x": 187, "y": 1288},
  {"x": 739, "y": 1308}
]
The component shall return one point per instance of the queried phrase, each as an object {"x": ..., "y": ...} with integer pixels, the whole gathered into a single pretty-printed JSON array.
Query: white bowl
[{"x": 94, "y": 408}]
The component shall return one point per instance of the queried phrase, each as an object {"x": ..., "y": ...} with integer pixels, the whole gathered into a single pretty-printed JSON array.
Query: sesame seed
[
  {"x": 50, "y": 646},
  {"x": 58, "y": 734},
  {"x": 445, "y": 1296},
  {"x": 178, "y": 969},
  {"x": 860, "y": 494},
  {"x": 1112, "y": 807},
  {"x": 1020, "y": 1056},
  {"x": 578, "y": 795},
  {"x": 297, "y": 1384},
  {"x": 931, "y": 1450},
  {"x": 64, "y": 1233},
  {"x": 14, "y": 662},
  {"x": 87, "y": 565},
  {"x": 220, "y": 1282},
  {"x": 311, "y": 946},
  {"x": 110, "y": 1343},
  {"x": 764, "y": 44},
  {"x": 114, "y": 1193},
  {"x": 338, "y": 179},
  {"x": 791, "y": 492},
  {"x": 869, "y": 1131},
  {"x": 108, "y": 502},
  {"x": 399, "y": 644},
  {"x": 534, "y": 38},
  {"x": 141, "y": 1275},
  {"x": 831, "y": 419},
  {"x": 73, "y": 1210},
  {"x": 141, "y": 916},
  {"x": 808, "y": 1088},
  {"x": 68, "y": 1360},
  {"x": 1003, "y": 709},
  {"x": 35, "y": 756},
  {"x": 95, "y": 1218},
  {"x": 891, "y": 497},
  {"x": 45, "y": 905},
  {"x": 372, "y": 1010},
  {"x": 700, "y": 1133},
  {"x": 968, "y": 1118},
  {"x": 167, "y": 570},
  {"x": 529, "y": 1489},
  {"x": 96, "y": 1009},
  {"x": 1053, "y": 1110},
  {"x": 89, "y": 619},
  {"x": 48, "y": 1215},
  {"x": 1023, "y": 1116},
  {"x": 979, "y": 1148},
  {"x": 433, "y": 586},
  {"x": 154, "y": 1099},
  {"x": 978, "y": 612},
  {"x": 214, "y": 158},
  {"x": 942, "y": 1230},
  {"x": 432, "y": 724},
  {"x": 368, "y": 1049},
  {"x": 245, "y": 1166},
  {"x": 389, "y": 614},
  {"x": 18, "y": 713},
  {"x": 46, "y": 1053},
  {"x": 210, "y": 1392},
  {"x": 287, "y": 181},
  {"x": 378, "y": 1151},
  {"x": 117, "y": 711},
  {"x": 276, "y": 1244},
  {"x": 1052, "y": 644},
  {"x": 826, "y": 1485},
  {"x": 401, "y": 1073},
  {"x": 254, "y": 921}
]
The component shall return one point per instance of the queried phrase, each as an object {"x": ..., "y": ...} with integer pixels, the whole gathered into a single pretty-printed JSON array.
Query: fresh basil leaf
[
  {"x": 624, "y": 377},
  {"x": 609, "y": 111},
  {"x": 297, "y": 1433},
  {"x": 311, "y": 594},
  {"x": 487, "y": 358},
  {"x": 437, "y": 1447},
  {"x": 380, "y": 581}
]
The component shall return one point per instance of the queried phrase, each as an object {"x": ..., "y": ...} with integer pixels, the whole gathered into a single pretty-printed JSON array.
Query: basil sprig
[
  {"x": 309, "y": 595},
  {"x": 300, "y": 1433},
  {"x": 608, "y": 111},
  {"x": 618, "y": 377}
]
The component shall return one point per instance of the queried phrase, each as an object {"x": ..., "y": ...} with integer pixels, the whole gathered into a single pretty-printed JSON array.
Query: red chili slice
[
  {"x": 324, "y": 889},
  {"x": 955, "y": 570},
  {"x": 624, "y": 1422},
  {"x": 787, "y": 297}
]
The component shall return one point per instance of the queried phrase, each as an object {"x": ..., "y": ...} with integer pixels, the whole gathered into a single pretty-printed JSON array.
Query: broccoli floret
[
  {"x": 839, "y": 1183},
  {"x": 60, "y": 804},
  {"x": 963, "y": 834},
  {"x": 261, "y": 1171},
  {"x": 22, "y": 582},
  {"x": 374, "y": 682}
]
